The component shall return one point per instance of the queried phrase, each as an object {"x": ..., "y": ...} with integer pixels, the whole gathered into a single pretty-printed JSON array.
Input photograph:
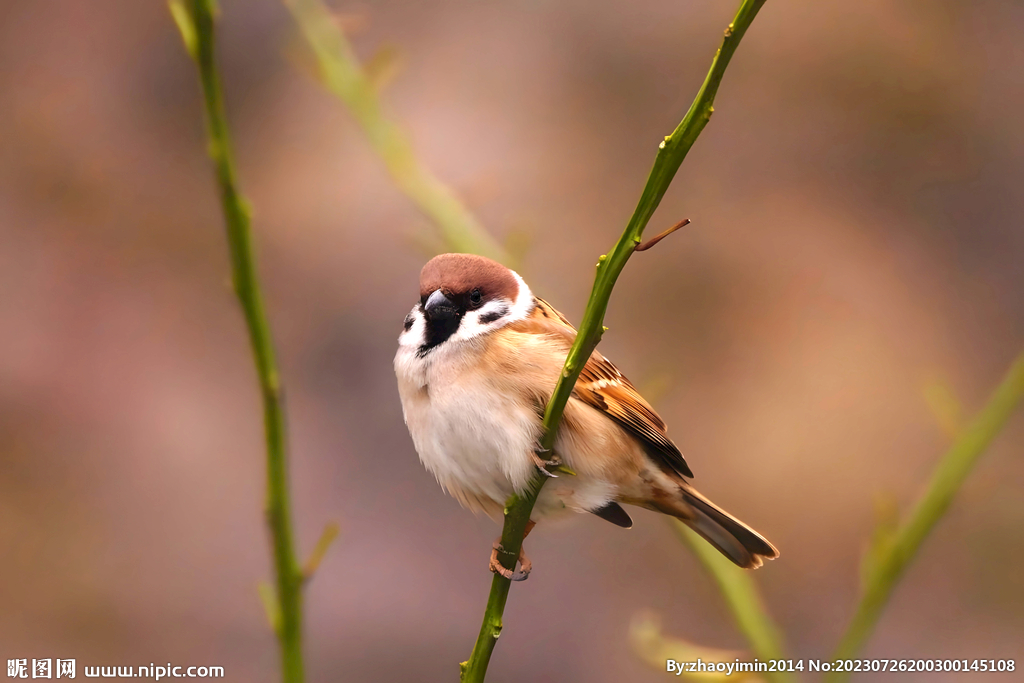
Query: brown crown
[{"x": 459, "y": 274}]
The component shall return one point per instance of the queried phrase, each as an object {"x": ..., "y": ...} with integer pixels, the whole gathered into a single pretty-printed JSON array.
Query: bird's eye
[{"x": 475, "y": 297}]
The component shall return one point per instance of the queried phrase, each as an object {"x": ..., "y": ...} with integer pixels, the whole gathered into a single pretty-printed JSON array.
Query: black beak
[{"x": 438, "y": 307}]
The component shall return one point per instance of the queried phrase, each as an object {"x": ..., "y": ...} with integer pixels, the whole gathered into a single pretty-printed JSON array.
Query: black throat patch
[{"x": 436, "y": 332}]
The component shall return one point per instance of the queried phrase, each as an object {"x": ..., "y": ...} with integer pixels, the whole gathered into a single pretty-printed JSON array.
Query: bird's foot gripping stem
[
  {"x": 525, "y": 566},
  {"x": 549, "y": 465}
]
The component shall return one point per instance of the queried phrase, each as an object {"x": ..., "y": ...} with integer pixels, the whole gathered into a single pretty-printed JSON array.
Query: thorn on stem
[{"x": 654, "y": 240}]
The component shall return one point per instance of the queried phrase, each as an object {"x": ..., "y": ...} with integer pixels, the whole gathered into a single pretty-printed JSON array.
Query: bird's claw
[
  {"x": 525, "y": 566},
  {"x": 546, "y": 465}
]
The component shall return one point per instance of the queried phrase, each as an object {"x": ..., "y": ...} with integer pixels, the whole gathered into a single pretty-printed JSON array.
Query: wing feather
[{"x": 602, "y": 386}]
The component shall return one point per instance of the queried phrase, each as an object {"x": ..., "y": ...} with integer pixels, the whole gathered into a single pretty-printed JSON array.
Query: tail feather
[{"x": 734, "y": 539}]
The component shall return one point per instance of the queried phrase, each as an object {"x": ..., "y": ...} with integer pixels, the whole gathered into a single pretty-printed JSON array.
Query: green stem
[
  {"x": 344, "y": 76},
  {"x": 895, "y": 556},
  {"x": 744, "y": 601},
  {"x": 670, "y": 155},
  {"x": 197, "y": 26}
]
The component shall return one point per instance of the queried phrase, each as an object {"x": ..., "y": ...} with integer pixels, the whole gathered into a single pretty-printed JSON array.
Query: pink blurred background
[{"x": 856, "y": 238}]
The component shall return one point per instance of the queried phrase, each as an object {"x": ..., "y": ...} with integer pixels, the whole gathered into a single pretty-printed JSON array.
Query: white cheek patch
[
  {"x": 492, "y": 312},
  {"x": 490, "y": 316},
  {"x": 413, "y": 334}
]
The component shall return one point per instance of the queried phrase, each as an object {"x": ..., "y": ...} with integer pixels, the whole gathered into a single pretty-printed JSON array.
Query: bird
[{"x": 478, "y": 358}]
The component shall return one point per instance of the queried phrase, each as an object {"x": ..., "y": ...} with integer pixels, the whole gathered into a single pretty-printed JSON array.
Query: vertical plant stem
[
  {"x": 343, "y": 75},
  {"x": 196, "y": 22},
  {"x": 744, "y": 601},
  {"x": 517, "y": 514},
  {"x": 892, "y": 557},
  {"x": 671, "y": 153}
]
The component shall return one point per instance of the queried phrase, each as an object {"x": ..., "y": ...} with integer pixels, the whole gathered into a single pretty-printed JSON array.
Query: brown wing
[{"x": 602, "y": 386}]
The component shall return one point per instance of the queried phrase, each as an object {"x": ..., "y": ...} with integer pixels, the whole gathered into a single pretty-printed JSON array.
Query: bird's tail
[{"x": 734, "y": 539}]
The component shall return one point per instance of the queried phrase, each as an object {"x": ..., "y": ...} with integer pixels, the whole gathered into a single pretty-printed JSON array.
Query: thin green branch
[
  {"x": 671, "y": 153},
  {"x": 196, "y": 23},
  {"x": 343, "y": 75},
  {"x": 744, "y": 601},
  {"x": 891, "y": 556}
]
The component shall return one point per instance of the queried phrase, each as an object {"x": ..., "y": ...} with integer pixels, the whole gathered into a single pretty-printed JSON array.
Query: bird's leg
[{"x": 525, "y": 566}]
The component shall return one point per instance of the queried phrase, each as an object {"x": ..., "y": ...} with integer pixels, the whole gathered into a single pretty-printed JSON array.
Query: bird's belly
[
  {"x": 478, "y": 445},
  {"x": 475, "y": 442}
]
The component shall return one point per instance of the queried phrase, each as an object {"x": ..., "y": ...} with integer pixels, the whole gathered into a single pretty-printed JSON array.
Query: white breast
[{"x": 475, "y": 441}]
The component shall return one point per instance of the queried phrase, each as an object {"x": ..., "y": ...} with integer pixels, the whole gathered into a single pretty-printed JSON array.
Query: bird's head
[{"x": 463, "y": 296}]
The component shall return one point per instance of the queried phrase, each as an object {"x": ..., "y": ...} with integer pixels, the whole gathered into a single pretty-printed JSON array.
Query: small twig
[
  {"x": 654, "y": 240},
  {"x": 327, "y": 537},
  {"x": 671, "y": 153},
  {"x": 271, "y": 610}
]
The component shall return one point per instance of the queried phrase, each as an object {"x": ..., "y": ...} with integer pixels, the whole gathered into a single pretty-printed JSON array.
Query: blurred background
[{"x": 856, "y": 243}]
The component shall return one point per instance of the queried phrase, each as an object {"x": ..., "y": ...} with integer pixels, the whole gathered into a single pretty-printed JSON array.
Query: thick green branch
[
  {"x": 670, "y": 155},
  {"x": 344, "y": 76},
  {"x": 196, "y": 22},
  {"x": 889, "y": 559}
]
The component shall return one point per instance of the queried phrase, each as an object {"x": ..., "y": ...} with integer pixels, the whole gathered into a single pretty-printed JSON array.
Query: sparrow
[{"x": 477, "y": 361}]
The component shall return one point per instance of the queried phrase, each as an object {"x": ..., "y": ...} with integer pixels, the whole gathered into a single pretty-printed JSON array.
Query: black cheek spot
[
  {"x": 409, "y": 320},
  {"x": 494, "y": 315}
]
